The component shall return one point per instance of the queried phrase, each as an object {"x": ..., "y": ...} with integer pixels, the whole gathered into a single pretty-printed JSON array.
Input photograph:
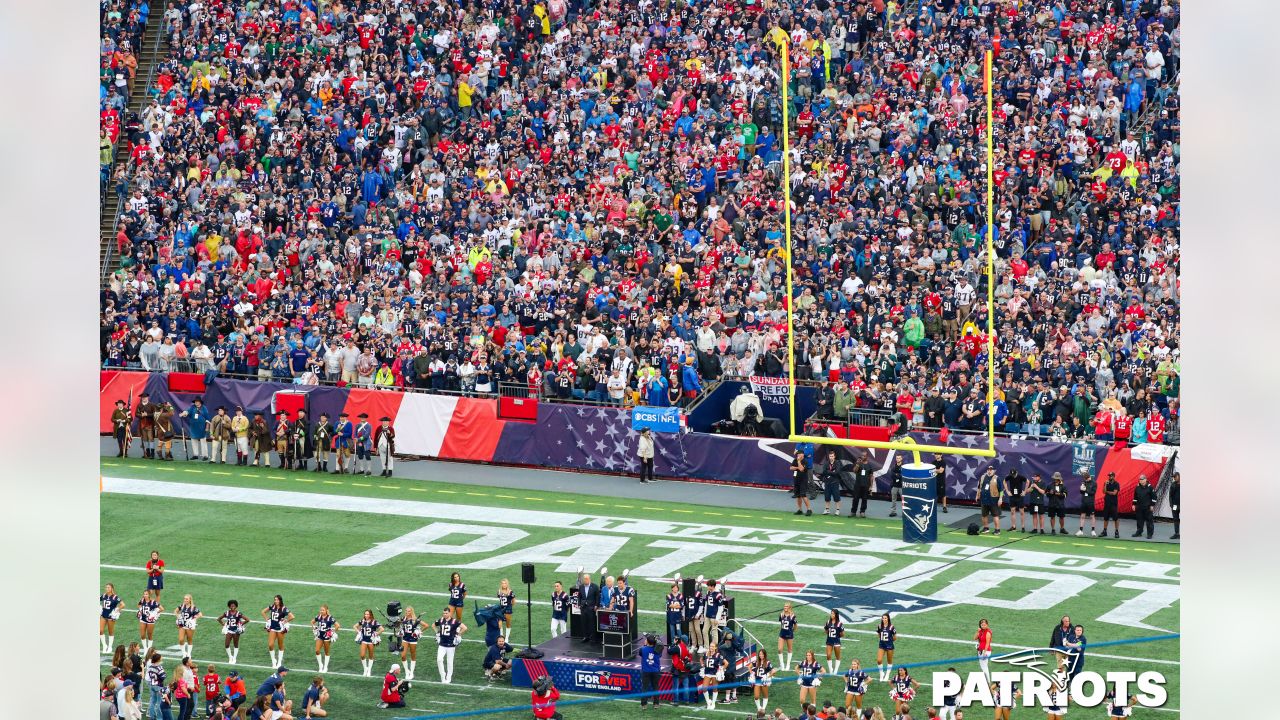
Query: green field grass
[{"x": 356, "y": 543}]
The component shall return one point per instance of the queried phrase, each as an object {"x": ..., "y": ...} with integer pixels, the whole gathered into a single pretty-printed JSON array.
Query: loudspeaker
[
  {"x": 689, "y": 587},
  {"x": 526, "y": 574}
]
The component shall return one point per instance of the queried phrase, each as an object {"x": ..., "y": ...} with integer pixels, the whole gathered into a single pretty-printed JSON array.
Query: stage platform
[{"x": 576, "y": 666}]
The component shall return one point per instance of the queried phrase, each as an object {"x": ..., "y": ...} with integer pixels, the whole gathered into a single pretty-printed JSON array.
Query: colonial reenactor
[
  {"x": 220, "y": 434},
  {"x": 385, "y": 440},
  {"x": 240, "y": 430},
  {"x": 364, "y": 445},
  {"x": 284, "y": 431},
  {"x": 342, "y": 442},
  {"x": 120, "y": 419},
  {"x": 197, "y": 417},
  {"x": 146, "y": 414},
  {"x": 164, "y": 429},
  {"x": 323, "y": 438},
  {"x": 260, "y": 439},
  {"x": 301, "y": 449}
]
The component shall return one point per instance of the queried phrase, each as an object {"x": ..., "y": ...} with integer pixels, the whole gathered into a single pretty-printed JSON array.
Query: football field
[{"x": 359, "y": 542}]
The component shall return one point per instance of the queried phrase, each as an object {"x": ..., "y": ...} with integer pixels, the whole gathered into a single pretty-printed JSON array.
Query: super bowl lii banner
[{"x": 919, "y": 503}]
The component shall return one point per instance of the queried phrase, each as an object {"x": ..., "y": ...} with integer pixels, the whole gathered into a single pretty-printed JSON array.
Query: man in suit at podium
[{"x": 589, "y": 600}]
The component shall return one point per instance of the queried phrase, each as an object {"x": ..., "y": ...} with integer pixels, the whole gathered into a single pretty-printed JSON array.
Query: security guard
[
  {"x": 1144, "y": 507},
  {"x": 120, "y": 420},
  {"x": 1111, "y": 504},
  {"x": 1175, "y": 505},
  {"x": 220, "y": 433},
  {"x": 323, "y": 440},
  {"x": 384, "y": 439}
]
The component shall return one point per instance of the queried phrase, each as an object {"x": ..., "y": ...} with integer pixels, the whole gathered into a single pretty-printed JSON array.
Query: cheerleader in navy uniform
[
  {"x": 449, "y": 632},
  {"x": 187, "y": 616},
  {"x": 559, "y": 610},
  {"x": 278, "y": 618},
  {"x": 508, "y": 599},
  {"x": 233, "y": 624},
  {"x": 149, "y": 608},
  {"x": 886, "y": 634},
  {"x": 760, "y": 674},
  {"x": 1057, "y": 707},
  {"x": 834, "y": 629},
  {"x": 368, "y": 635},
  {"x": 675, "y": 613},
  {"x": 855, "y": 686},
  {"x": 110, "y": 603},
  {"x": 410, "y": 634},
  {"x": 786, "y": 636},
  {"x": 809, "y": 678},
  {"x": 903, "y": 690},
  {"x": 457, "y": 595},
  {"x": 325, "y": 627},
  {"x": 713, "y": 667},
  {"x": 1004, "y": 706},
  {"x": 1118, "y": 705}
]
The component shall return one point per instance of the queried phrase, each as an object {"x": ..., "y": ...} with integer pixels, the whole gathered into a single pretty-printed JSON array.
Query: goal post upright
[{"x": 907, "y": 444}]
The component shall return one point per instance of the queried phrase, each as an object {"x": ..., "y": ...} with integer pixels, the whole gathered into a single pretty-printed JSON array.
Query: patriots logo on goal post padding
[{"x": 855, "y": 604}]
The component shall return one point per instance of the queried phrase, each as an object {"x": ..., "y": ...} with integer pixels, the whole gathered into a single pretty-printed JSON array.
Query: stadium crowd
[{"x": 584, "y": 196}]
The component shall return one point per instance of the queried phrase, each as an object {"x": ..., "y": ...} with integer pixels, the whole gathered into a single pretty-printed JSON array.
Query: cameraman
[
  {"x": 393, "y": 689},
  {"x": 544, "y": 699},
  {"x": 650, "y": 670}
]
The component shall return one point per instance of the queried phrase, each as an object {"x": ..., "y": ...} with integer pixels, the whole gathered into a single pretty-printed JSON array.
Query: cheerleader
[
  {"x": 786, "y": 636},
  {"x": 903, "y": 690},
  {"x": 508, "y": 599},
  {"x": 559, "y": 610},
  {"x": 233, "y": 625},
  {"x": 457, "y": 595},
  {"x": 449, "y": 632},
  {"x": 983, "y": 638},
  {"x": 1004, "y": 707},
  {"x": 278, "y": 618},
  {"x": 760, "y": 674},
  {"x": 809, "y": 678},
  {"x": 713, "y": 667},
  {"x": 110, "y": 603},
  {"x": 149, "y": 608},
  {"x": 155, "y": 574},
  {"x": 855, "y": 686},
  {"x": 187, "y": 616},
  {"x": 368, "y": 635},
  {"x": 1057, "y": 707},
  {"x": 410, "y": 633},
  {"x": 835, "y": 632},
  {"x": 1118, "y": 705},
  {"x": 886, "y": 634},
  {"x": 947, "y": 711},
  {"x": 325, "y": 627}
]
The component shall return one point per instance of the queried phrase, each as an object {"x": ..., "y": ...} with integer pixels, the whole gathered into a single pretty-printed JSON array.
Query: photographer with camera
[
  {"x": 650, "y": 670},
  {"x": 544, "y": 699},
  {"x": 393, "y": 688}
]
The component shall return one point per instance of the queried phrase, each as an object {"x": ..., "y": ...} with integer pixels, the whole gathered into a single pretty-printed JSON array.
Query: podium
[{"x": 615, "y": 630}]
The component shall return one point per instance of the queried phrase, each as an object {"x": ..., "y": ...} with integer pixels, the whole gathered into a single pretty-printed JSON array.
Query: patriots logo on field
[{"x": 855, "y": 604}]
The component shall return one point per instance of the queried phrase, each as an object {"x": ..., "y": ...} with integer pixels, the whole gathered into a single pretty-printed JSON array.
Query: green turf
[{"x": 251, "y": 551}]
